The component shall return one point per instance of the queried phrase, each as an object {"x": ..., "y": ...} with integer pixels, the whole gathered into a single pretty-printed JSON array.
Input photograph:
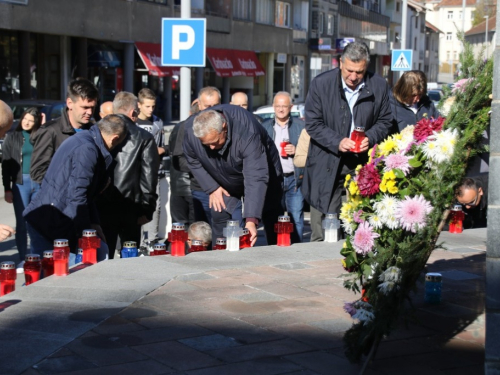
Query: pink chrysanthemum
[
  {"x": 412, "y": 213},
  {"x": 364, "y": 238},
  {"x": 357, "y": 217},
  {"x": 397, "y": 161},
  {"x": 368, "y": 180}
]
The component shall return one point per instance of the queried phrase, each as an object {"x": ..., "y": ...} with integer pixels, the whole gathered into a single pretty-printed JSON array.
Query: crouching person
[
  {"x": 200, "y": 231},
  {"x": 78, "y": 173}
]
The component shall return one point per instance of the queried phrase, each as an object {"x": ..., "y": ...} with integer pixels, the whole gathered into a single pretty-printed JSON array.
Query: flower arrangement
[{"x": 398, "y": 203}]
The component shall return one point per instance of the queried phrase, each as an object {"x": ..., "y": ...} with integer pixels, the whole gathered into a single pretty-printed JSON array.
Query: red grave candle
[
  {"x": 457, "y": 217},
  {"x": 89, "y": 242},
  {"x": 160, "y": 249},
  {"x": 61, "y": 257},
  {"x": 48, "y": 263},
  {"x": 220, "y": 243},
  {"x": 245, "y": 239},
  {"x": 284, "y": 142},
  {"x": 197, "y": 245},
  {"x": 178, "y": 237},
  {"x": 8, "y": 276},
  {"x": 283, "y": 227},
  {"x": 32, "y": 268},
  {"x": 357, "y": 135}
]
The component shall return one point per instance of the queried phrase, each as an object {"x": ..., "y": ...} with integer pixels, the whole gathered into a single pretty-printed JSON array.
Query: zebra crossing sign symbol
[{"x": 401, "y": 59}]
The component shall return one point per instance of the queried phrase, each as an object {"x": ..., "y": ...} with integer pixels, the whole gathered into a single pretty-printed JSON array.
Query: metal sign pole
[{"x": 185, "y": 84}]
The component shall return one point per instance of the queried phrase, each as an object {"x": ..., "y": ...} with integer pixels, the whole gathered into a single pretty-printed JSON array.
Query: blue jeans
[
  {"x": 23, "y": 195},
  {"x": 293, "y": 203},
  {"x": 201, "y": 202}
]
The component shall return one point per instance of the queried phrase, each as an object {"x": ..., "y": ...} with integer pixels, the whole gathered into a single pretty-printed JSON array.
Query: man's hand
[
  {"x": 365, "y": 144},
  {"x": 161, "y": 150},
  {"x": 6, "y": 231},
  {"x": 142, "y": 220},
  {"x": 347, "y": 144},
  {"x": 290, "y": 149},
  {"x": 252, "y": 228},
  {"x": 9, "y": 197},
  {"x": 99, "y": 231},
  {"x": 217, "y": 199}
]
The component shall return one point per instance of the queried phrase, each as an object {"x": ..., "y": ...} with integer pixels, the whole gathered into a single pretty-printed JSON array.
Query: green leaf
[
  {"x": 399, "y": 173},
  {"x": 414, "y": 162}
]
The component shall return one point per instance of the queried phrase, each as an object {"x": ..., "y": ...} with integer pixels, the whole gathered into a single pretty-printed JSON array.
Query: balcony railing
[{"x": 300, "y": 35}]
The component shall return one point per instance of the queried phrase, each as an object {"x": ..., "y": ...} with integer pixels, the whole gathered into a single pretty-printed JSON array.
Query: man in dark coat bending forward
[{"x": 231, "y": 156}]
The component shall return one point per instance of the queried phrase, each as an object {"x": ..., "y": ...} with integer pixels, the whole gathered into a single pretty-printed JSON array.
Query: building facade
[{"x": 481, "y": 37}]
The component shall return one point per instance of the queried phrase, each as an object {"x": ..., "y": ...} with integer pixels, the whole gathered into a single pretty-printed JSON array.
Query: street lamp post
[{"x": 486, "y": 36}]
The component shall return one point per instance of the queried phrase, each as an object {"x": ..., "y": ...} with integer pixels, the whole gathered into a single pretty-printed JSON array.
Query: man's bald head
[
  {"x": 240, "y": 99},
  {"x": 106, "y": 109},
  {"x": 6, "y": 118}
]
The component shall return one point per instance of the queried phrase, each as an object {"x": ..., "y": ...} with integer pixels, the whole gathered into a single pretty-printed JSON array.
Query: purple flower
[
  {"x": 412, "y": 213},
  {"x": 349, "y": 308},
  {"x": 397, "y": 161},
  {"x": 364, "y": 238}
]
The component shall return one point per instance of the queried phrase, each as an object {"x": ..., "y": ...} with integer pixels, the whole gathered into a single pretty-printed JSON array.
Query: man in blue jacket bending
[
  {"x": 77, "y": 174},
  {"x": 231, "y": 156}
]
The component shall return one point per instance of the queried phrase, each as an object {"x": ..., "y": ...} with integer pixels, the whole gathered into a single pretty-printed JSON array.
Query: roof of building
[
  {"x": 456, "y": 3},
  {"x": 416, "y": 5},
  {"x": 481, "y": 28},
  {"x": 432, "y": 27}
]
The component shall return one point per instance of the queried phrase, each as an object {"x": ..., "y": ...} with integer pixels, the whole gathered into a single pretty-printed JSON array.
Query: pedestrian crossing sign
[{"x": 401, "y": 59}]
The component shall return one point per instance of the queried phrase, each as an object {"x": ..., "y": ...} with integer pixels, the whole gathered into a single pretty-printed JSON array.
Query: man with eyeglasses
[
  {"x": 231, "y": 156},
  {"x": 285, "y": 127},
  {"x": 130, "y": 200},
  {"x": 472, "y": 194}
]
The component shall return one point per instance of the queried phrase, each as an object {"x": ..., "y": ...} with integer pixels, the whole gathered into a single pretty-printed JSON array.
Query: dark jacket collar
[{"x": 99, "y": 141}]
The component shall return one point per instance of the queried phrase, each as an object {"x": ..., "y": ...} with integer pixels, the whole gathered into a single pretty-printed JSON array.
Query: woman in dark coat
[
  {"x": 410, "y": 102},
  {"x": 19, "y": 188}
]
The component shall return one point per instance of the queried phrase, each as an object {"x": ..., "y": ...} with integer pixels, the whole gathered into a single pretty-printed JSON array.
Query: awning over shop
[
  {"x": 150, "y": 54},
  {"x": 235, "y": 63},
  {"x": 102, "y": 56}
]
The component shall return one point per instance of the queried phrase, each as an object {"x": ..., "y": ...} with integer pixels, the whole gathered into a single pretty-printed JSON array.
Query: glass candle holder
[
  {"x": 457, "y": 217},
  {"x": 283, "y": 228},
  {"x": 197, "y": 245},
  {"x": 220, "y": 243},
  {"x": 48, "y": 263},
  {"x": 357, "y": 135},
  {"x": 160, "y": 249},
  {"x": 331, "y": 226},
  {"x": 177, "y": 238},
  {"x": 129, "y": 249},
  {"x": 89, "y": 242},
  {"x": 245, "y": 239},
  {"x": 232, "y": 232},
  {"x": 433, "y": 285},
  {"x": 32, "y": 268},
  {"x": 284, "y": 142},
  {"x": 61, "y": 257},
  {"x": 8, "y": 277}
]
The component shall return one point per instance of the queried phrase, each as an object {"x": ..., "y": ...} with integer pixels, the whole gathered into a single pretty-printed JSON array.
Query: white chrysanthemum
[
  {"x": 387, "y": 286},
  {"x": 385, "y": 209},
  {"x": 440, "y": 146},
  {"x": 364, "y": 316},
  {"x": 391, "y": 222},
  {"x": 348, "y": 227},
  {"x": 375, "y": 221},
  {"x": 406, "y": 138},
  {"x": 390, "y": 274}
]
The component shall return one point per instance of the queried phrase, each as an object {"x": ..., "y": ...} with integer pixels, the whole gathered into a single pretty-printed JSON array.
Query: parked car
[
  {"x": 52, "y": 108},
  {"x": 267, "y": 111},
  {"x": 435, "y": 96}
]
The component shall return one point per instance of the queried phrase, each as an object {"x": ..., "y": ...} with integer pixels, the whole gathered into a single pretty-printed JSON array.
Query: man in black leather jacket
[{"x": 130, "y": 200}]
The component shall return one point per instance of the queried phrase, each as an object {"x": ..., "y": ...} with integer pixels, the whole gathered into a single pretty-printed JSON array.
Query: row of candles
[{"x": 56, "y": 261}]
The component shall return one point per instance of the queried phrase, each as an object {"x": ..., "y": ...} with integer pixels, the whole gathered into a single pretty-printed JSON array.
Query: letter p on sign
[{"x": 183, "y": 42}]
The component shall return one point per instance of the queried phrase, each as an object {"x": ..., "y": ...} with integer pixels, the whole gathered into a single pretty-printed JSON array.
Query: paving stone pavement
[{"x": 265, "y": 310}]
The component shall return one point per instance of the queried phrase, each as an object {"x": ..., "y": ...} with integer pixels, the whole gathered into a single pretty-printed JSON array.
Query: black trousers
[
  {"x": 181, "y": 209},
  {"x": 120, "y": 224}
]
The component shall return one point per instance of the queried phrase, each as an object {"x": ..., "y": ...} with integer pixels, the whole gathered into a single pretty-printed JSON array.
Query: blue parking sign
[{"x": 183, "y": 41}]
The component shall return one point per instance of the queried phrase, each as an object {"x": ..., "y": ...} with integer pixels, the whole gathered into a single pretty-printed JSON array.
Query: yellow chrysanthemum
[
  {"x": 389, "y": 175},
  {"x": 391, "y": 187},
  {"x": 358, "y": 167},
  {"x": 347, "y": 178},
  {"x": 353, "y": 188},
  {"x": 383, "y": 186},
  {"x": 387, "y": 146}
]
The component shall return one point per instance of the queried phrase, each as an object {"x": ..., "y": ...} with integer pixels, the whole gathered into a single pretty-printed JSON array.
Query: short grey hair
[
  {"x": 113, "y": 124},
  {"x": 124, "y": 102},
  {"x": 356, "y": 52},
  {"x": 233, "y": 97},
  {"x": 201, "y": 231},
  {"x": 206, "y": 122},
  {"x": 283, "y": 93},
  {"x": 209, "y": 91}
]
